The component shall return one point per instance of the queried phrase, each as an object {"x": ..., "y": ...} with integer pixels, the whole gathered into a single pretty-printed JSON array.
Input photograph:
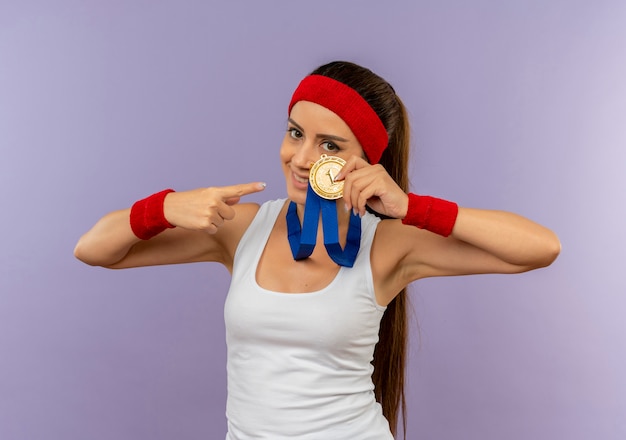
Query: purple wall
[{"x": 515, "y": 105}]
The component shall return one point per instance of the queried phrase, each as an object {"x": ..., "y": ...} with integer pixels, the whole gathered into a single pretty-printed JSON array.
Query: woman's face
[{"x": 313, "y": 130}]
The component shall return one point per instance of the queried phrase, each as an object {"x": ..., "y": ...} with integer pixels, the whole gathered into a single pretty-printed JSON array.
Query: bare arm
[
  {"x": 516, "y": 241},
  {"x": 108, "y": 241},
  {"x": 209, "y": 224},
  {"x": 482, "y": 241}
]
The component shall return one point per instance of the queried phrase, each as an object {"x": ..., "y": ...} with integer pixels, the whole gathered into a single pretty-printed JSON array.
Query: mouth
[
  {"x": 301, "y": 179},
  {"x": 299, "y": 182}
]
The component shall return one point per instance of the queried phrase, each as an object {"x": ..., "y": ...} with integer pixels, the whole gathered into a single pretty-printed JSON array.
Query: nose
[{"x": 305, "y": 156}]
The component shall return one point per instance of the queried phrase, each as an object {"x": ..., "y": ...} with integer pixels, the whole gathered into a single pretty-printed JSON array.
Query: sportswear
[{"x": 299, "y": 364}]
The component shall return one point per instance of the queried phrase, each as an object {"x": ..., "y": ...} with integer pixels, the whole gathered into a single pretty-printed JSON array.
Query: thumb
[{"x": 232, "y": 200}]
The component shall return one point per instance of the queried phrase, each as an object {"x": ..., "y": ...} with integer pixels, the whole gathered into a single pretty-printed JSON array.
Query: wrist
[
  {"x": 430, "y": 213},
  {"x": 147, "y": 217}
]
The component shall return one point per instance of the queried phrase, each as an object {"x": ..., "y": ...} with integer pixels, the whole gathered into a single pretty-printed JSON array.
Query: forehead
[{"x": 312, "y": 116}]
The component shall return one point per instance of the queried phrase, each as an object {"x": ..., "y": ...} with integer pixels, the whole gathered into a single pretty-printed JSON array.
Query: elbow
[
  {"x": 550, "y": 250},
  {"x": 542, "y": 254},
  {"x": 81, "y": 254},
  {"x": 86, "y": 254},
  {"x": 552, "y": 254},
  {"x": 553, "y": 249}
]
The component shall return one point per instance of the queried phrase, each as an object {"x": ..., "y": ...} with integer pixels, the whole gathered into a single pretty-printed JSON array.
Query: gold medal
[{"x": 322, "y": 177}]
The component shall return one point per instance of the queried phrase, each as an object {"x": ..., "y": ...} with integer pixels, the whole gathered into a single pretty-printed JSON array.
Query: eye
[
  {"x": 294, "y": 133},
  {"x": 329, "y": 146}
]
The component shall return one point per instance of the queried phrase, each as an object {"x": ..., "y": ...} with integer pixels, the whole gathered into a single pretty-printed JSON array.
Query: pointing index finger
[{"x": 242, "y": 189}]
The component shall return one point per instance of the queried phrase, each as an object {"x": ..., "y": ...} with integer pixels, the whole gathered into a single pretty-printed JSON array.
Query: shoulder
[
  {"x": 233, "y": 230},
  {"x": 246, "y": 211},
  {"x": 388, "y": 244},
  {"x": 391, "y": 239},
  {"x": 245, "y": 214},
  {"x": 392, "y": 257}
]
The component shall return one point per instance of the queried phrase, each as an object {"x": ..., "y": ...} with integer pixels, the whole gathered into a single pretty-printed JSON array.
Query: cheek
[{"x": 286, "y": 151}]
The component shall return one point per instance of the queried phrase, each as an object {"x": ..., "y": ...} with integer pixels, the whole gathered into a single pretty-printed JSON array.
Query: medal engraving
[{"x": 322, "y": 177}]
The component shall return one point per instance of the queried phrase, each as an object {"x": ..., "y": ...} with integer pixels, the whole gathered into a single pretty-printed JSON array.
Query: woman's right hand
[{"x": 206, "y": 209}]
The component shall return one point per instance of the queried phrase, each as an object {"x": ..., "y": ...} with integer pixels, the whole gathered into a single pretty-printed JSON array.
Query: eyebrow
[{"x": 320, "y": 135}]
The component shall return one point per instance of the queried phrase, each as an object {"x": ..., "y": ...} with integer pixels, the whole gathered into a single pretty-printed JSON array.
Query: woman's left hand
[{"x": 371, "y": 185}]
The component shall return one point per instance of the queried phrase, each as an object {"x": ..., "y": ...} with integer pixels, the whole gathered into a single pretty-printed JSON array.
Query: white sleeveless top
[{"x": 299, "y": 365}]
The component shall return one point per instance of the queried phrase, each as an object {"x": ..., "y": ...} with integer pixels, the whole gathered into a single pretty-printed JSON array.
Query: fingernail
[
  {"x": 346, "y": 207},
  {"x": 262, "y": 185}
]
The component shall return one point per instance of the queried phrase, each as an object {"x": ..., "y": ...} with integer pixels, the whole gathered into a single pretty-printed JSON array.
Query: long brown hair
[{"x": 391, "y": 351}]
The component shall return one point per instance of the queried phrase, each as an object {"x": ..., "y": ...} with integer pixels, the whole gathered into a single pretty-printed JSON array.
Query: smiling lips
[{"x": 300, "y": 179}]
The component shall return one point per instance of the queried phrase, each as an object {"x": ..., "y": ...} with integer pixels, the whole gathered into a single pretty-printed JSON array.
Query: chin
[
  {"x": 298, "y": 197},
  {"x": 296, "y": 191}
]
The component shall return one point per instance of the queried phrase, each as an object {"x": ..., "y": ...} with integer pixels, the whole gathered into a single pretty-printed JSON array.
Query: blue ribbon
[{"x": 302, "y": 239}]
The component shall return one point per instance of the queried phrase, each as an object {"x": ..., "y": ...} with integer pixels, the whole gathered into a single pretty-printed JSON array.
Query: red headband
[{"x": 346, "y": 103}]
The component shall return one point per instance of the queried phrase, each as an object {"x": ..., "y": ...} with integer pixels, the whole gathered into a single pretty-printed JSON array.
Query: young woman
[{"x": 315, "y": 315}]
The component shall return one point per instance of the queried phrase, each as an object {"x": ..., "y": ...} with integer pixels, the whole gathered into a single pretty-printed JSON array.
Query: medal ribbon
[{"x": 302, "y": 239}]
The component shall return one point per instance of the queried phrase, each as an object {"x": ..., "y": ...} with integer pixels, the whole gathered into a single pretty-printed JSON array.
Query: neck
[
  {"x": 340, "y": 230},
  {"x": 343, "y": 216}
]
